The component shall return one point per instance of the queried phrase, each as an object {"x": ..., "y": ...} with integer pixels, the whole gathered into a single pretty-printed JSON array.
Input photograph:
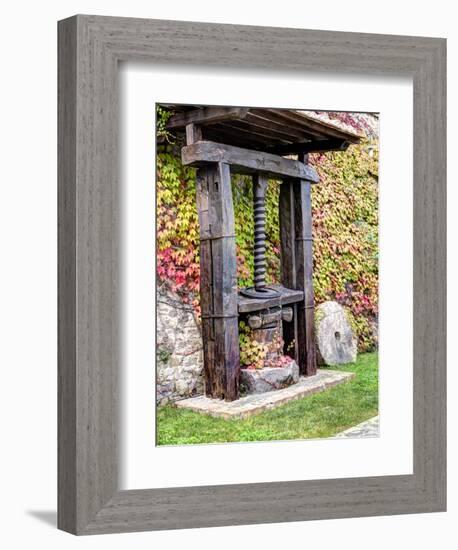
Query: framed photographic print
[{"x": 251, "y": 274}]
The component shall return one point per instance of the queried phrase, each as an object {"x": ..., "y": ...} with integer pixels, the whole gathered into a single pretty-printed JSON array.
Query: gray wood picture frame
[{"x": 90, "y": 49}]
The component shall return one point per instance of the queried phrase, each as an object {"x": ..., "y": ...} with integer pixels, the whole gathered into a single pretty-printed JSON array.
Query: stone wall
[{"x": 179, "y": 370}]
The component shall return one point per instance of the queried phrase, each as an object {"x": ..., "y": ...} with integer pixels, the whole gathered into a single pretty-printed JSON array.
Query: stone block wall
[{"x": 179, "y": 365}]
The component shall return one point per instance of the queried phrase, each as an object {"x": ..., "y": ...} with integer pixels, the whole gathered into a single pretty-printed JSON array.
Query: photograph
[
  {"x": 225, "y": 264},
  {"x": 224, "y": 274},
  {"x": 267, "y": 274}
]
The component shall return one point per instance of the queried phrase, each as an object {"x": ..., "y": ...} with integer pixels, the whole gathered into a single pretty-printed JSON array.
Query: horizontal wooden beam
[
  {"x": 264, "y": 135},
  {"x": 285, "y": 296},
  {"x": 320, "y": 127},
  {"x": 313, "y": 146},
  {"x": 206, "y": 115},
  {"x": 247, "y": 161},
  {"x": 256, "y": 119}
]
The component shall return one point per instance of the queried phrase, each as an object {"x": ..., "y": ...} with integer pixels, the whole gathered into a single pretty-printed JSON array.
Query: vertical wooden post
[
  {"x": 304, "y": 262},
  {"x": 288, "y": 262},
  {"x": 218, "y": 282},
  {"x": 297, "y": 268},
  {"x": 193, "y": 133},
  {"x": 218, "y": 277}
]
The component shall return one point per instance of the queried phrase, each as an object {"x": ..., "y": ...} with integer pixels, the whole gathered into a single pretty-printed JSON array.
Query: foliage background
[{"x": 345, "y": 225}]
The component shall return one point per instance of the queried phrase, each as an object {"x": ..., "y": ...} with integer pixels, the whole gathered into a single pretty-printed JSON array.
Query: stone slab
[
  {"x": 369, "y": 428},
  {"x": 258, "y": 403}
]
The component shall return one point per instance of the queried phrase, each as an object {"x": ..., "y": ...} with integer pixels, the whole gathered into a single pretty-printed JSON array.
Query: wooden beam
[
  {"x": 288, "y": 263},
  {"x": 218, "y": 282},
  {"x": 256, "y": 119},
  {"x": 304, "y": 275},
  {"x": 312, "y": 125},
  {"x": 315, "y": 146},
  {"x": 205, "y": 115},
  {"x": 286, "y": 296},
  {"x": 247, "y": 160},
  {"x": 225, "y": 133},
  {"x": 193, "y": 133},
  {"x": 267, "y": 134},
  {"x": 277, "y": 115},
  {"x": 297, "y": 270}
]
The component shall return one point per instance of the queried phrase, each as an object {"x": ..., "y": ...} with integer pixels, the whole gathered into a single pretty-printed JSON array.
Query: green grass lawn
[{"x": 320, "y": 415}]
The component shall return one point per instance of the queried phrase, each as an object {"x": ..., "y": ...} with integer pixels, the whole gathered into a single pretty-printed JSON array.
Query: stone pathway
[
  {"x": 257, "y": 403},
  {"x": 369, "y": 428}
]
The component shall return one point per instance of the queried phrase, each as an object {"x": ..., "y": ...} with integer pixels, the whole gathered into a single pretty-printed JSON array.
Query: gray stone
[
  {"x": 179, "y": 370},
  {"x": 336, "y": 340},
  {"x": 369, "y": 428},
  {"x": 268, "y": 378}
]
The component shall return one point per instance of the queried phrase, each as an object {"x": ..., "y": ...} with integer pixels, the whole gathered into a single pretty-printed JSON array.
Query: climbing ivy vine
[{"x": 345, "y": 226}]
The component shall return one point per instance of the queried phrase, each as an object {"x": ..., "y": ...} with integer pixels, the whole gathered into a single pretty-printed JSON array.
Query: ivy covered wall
[{"x": 345, "y": 227}]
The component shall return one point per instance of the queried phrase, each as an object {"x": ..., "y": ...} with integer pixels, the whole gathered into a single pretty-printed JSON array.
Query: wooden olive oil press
[{"x": 254, "y": 141}]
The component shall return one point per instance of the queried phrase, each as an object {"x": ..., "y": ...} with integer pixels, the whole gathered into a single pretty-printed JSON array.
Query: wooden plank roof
[{"x": 279, "y": 131}]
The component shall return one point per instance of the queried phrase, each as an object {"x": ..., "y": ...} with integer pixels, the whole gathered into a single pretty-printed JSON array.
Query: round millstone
[{"x": 336, "y": 340}]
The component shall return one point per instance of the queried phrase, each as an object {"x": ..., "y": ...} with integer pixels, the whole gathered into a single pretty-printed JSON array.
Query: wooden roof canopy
[{"x": 276, "y": 131}]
